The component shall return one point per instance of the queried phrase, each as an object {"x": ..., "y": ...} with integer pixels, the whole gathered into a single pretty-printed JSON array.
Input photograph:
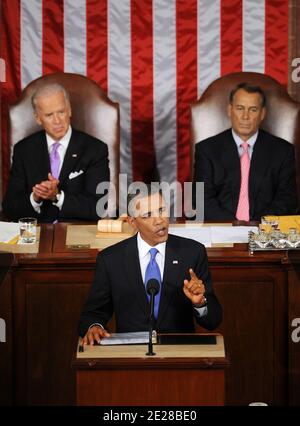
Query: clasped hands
[
  {"x": 46, "y": 190},
  {"x": 193, "y": 289}
]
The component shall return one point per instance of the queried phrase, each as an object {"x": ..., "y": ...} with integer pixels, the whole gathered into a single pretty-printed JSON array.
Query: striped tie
[{"x": 242, "y": 212}]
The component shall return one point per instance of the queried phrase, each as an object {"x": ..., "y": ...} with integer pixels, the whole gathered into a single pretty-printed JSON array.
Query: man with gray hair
[
  {"x": 247, "y": 172},
  {"x": 55, "y": 172}
]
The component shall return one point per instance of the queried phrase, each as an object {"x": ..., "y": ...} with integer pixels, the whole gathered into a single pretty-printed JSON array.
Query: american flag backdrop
[{"x": 154, "y": 57}]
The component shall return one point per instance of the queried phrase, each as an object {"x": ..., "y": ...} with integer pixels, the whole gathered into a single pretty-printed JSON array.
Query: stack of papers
[
  {"x": 128, "y": 338},
  {"x": 209, "y": 235},
  {"x": 9, "y": 232}
]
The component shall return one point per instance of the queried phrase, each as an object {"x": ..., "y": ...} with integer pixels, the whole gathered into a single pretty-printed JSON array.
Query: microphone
[{"x": 152, "y": 289}]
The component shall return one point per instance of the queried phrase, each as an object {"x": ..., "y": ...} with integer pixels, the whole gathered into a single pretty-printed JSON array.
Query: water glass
[{"x": 27, "y": 228}]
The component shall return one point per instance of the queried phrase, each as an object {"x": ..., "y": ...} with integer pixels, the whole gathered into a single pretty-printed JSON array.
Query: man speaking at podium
[{"x": 122, "y": 271}]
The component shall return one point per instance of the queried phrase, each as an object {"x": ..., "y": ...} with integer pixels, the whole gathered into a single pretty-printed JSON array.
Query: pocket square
[{"x": 73, "y": 175}]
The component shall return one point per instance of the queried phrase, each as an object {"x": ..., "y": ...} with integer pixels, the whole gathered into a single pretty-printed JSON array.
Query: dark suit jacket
[
  {"x": 118, "y": 287},
  {"x": 272, "y": 179},
  {"x": 31, "y": 165}
]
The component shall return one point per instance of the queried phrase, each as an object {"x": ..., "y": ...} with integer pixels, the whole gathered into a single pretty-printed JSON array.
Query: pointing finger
[{"x": 192, "y": 274}]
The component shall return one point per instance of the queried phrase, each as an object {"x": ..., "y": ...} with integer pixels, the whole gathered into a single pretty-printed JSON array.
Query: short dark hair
[
  {"x": 249, "y": 89},
  {"x": 148, "y": 190}
]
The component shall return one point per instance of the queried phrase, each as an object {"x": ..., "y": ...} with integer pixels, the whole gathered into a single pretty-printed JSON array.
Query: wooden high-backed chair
[{"x": 209, "y": 113}]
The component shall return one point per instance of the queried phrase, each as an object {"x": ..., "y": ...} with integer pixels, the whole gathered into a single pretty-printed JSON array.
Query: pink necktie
[
  {"x": 55, "y": 160},
  {"x": 242, "y": 212}
]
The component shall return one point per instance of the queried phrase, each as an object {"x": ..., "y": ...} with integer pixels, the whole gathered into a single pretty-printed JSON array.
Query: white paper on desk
[
  {"x": 197, "y": 233},
  {"x": 232, "y": 234},
  {"x": 8, "y": 231},
  {"x": 128, "y": 338}
]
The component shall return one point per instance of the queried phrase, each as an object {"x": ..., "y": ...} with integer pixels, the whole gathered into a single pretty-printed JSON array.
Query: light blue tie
[{"x": 153, "y": 272}]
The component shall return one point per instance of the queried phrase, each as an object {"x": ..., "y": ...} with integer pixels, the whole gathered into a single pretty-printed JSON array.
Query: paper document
[
  {"x": 197, "y": 233},
  {"x": 9, "y": 232},
  {"x": 232, "y": 234},
  {"x": 128, "y": 338}
]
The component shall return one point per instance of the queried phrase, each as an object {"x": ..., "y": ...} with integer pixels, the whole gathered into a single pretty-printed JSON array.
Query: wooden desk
[
  {"x": 45, "y": 293},
  {"x": 176, "y": 375},
  {"x": 293, "y": 313}
]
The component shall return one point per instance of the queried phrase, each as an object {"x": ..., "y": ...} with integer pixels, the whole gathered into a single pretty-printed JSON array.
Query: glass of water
[{"x": 27, "y": 228}]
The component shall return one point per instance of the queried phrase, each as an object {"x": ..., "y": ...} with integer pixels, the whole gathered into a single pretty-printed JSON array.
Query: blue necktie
[{"x": 153, "y": 272}]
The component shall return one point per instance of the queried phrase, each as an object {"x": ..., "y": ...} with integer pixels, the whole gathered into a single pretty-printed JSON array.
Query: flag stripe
[
  {"x": 53, "y": 36},
  {"x": 208, "y": 43},
  {"x": 11, "y": 88},
  {"x": 143, "y": 157},
  {"x": 119, "y": 74},
  {"x": 153, "y": 57},
  {"x": 96, "y": 42},
  {"x": 164, "y": 42},
  {"x": 75, "y": 36},
  {"x": 186, "y": 41},
  {"x": 31, "y": 41},
  {"x": 231, "y": 36},
  {"x": 277, "y": 20},
  {"x": 253, "y": 35}
]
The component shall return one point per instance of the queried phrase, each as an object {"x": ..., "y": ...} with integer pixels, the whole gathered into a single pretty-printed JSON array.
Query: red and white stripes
[{"x": 152, "y": 56}]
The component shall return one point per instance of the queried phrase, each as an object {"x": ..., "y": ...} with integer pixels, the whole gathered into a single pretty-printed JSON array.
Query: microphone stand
[{"x": 151, "y": 319}]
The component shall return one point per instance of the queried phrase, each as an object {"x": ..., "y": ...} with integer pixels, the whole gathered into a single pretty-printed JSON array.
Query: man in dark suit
[
  {"x": 247, "y": 172},
  {"x": 186, "y": 291},
  {"x": 55, "y": 172}
]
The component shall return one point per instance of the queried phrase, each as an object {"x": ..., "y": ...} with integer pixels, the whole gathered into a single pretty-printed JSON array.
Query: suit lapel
[
  {"x": 231, "y": 162},
  {"x": 133, "y": 272},
  {"x": 259, "y": 162},
  {"x": 72, "y": 156},
  {"x": 170, "y": 279},
  {"x": 43, "y": 165}
]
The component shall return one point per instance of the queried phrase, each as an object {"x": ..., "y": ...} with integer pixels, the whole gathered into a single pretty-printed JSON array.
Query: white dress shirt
[
  {"x": 144, "y": 258},
  {"x": 64, "y": 143},
  {"x": 251, "y": 142},
  {"x": 144, "y": 255}
]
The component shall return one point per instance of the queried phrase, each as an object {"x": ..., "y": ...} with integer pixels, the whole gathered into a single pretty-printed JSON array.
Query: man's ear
[
  {"x": 229, "y": 110},
  {"x": 37, "y": 118},
  {"x": 131, "y": 221},
  {"x": 263, "y": 114}
]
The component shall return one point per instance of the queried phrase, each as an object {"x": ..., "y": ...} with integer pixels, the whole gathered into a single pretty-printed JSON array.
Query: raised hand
[{"x": 194, "y": 289}]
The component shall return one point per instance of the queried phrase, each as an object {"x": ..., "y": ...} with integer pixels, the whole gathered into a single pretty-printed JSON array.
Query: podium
[{"x": 179, "y": 374}]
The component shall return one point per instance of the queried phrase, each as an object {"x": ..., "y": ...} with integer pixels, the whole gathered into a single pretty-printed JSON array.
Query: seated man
[
  {"x": 123, "y": 270},
  {"x": 55, "y": 172},
  {"x": 247, "y": 172}
]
